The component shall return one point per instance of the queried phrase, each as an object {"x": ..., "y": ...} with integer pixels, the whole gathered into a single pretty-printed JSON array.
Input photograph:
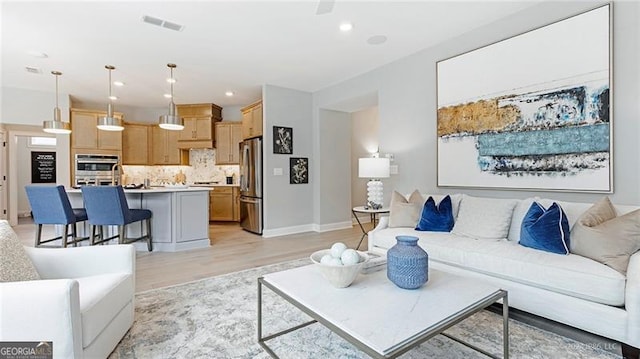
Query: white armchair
[{"x": 83, "y": 303}]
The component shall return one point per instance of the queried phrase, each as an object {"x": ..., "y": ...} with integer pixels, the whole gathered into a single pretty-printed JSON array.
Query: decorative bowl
[{"x": 339, "y": 276}]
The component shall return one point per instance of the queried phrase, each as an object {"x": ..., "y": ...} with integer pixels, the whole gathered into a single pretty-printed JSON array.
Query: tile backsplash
[{"x": 202, "y": 168}]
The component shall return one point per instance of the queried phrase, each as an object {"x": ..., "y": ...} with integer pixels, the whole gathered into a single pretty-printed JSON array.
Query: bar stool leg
[
  {"x": 121, "y": 232},
  {"x": 65, "y": 235},
  {"x": 101, "y": 234},
  {"x": 38, "y": 235},
  {"x": 92, "y": 235},
  {"x": 149, "y": 244},
  {"x": 74, "y": 235}
]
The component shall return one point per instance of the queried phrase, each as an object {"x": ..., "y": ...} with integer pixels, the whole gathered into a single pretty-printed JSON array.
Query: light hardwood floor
[{"x": 232, "y": 249}]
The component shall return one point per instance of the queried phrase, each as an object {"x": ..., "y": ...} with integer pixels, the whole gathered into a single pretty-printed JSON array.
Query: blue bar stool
[
  {"x": 50, "y": 205},
  {"x": 107, "y": 206}
]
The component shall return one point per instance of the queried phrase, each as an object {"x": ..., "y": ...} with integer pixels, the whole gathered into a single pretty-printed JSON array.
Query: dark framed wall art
[
  {"x": 530, "y": 112},
  {"x": 298, "y": 170},
  {"x": 43, "y": 167},
  {"x": 282, "y": 140}
]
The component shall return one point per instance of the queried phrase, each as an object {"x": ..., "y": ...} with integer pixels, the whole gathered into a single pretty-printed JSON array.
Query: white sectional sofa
[
  {"x": 569, "y": 289},
  {"x": 83, "y": 301}
]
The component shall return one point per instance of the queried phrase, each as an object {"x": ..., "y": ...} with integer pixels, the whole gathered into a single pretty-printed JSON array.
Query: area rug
[{"x": 217, "y": 318}]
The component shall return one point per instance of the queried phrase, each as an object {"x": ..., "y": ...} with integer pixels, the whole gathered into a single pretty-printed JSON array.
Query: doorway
[{"x": 19, "y": 150}]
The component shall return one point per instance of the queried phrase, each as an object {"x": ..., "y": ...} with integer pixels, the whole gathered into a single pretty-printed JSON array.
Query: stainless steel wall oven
[{"x": 92, "y": 169}]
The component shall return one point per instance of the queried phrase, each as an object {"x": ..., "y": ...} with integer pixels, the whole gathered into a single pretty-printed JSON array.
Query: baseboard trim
[
  {"x": 332, "y": 226},
  {"x": 283, "y": 231},
  {"x": 270, "y": 233}
]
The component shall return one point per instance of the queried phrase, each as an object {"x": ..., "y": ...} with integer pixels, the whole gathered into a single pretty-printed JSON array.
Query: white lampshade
[{"x": 373, "y": 167}]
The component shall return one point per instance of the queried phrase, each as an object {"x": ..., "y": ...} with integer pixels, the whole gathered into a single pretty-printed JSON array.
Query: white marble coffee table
[{"x": 379, "y": 318}]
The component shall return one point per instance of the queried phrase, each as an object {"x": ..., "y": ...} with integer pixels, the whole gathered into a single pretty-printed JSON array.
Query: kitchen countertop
[
  {"x": 217, "y": 185},
  {"x": 198, "y": 188}
]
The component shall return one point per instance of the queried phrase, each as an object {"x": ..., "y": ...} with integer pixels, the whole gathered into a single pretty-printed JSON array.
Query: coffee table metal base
[{"x": 406, "y": 345}]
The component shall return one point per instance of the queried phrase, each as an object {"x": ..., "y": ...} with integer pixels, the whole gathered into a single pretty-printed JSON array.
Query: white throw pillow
[
  {"x": 403, "y": 212},
  {"x": 484, "y": 218}
]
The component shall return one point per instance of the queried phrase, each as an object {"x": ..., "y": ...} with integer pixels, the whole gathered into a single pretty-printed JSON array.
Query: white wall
[
  {"x": 232, "y": 113},
  {"x": 364, "y": 142},
  {"x": 29, "y": 107},
  {"x": 288, "y": 208},
  {"x": 131, "y": 113},
  {"x": 407, "y": 105}
]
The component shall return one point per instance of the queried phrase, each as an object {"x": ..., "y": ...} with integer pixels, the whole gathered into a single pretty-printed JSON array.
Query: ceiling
[{"x": 225, "y": 45}]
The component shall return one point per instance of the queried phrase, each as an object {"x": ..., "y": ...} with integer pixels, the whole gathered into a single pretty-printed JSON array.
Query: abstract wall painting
[
  {"x": 530, "y": 112},
  {"x": 298, "y": 170},
  {"x": 282, "y": 140}
]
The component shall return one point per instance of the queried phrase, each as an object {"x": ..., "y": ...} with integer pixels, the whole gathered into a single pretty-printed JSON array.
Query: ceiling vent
[
  {"x": 162, "y": 23},
  {"x": 33, "y": 70}
]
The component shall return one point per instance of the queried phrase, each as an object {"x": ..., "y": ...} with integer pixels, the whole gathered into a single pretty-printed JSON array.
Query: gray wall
[
  {"x": 287, "y": 205},
  {"x": 334, "y": 169},
  {"x": 407, "y": 106},
  {"x": 364, "y": 142}
]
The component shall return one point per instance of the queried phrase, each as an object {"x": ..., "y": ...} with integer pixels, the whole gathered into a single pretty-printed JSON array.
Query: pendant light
[
  {"x": 56, "y": 125},
  {"x": 109, "y": 122},
  {"x": 171, "y": 121}
]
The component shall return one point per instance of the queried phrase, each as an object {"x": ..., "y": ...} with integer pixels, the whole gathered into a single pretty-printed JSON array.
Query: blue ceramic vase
[{"x": 407, "y": 263}]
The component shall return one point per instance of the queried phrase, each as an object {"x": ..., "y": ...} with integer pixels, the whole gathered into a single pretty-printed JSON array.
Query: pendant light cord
[
  {"x": 110, "y": 86},
  {"x": 56, "y": 91},
  {"x": 172, "y": 81}
]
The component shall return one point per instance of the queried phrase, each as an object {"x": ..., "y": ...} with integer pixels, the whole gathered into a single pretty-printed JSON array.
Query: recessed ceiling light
[
  {"x": 171, "y": 80},
  {"x": 377, "y": 40},
  {"x": 167, "y": 95},
  {"x": 113, "y": 98},
  {"x": 38, "y": 54},
  {"x": 118, "y": 83},
  {"x": 346, "y": 26},
  {"x": 229, "y": 93}
]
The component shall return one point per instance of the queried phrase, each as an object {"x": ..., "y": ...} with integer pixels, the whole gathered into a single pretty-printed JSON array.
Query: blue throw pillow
[
  {"x": 546, "y": 230},
  {"x": 436, "y": 218}
]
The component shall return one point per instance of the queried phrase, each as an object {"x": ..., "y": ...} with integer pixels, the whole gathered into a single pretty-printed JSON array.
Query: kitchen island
[{"x": 180, "y": 218}]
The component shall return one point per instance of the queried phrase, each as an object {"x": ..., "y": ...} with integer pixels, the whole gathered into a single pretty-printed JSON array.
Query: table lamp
[{"x": 374, "y": 168}]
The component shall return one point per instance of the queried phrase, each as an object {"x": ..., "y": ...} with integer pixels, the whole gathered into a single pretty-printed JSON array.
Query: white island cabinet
[{"x": 180, "y": 218}]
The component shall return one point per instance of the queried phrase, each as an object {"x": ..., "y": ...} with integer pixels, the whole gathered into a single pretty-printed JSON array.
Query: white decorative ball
[
  {"x": 334, "y": 262},
  {"x": 326, "y": 259},
  {"x": 350, "y": 257},
  {"x": 337, "y": 249}
]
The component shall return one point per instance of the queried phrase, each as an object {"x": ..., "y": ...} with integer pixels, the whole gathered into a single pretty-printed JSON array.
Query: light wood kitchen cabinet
[
  {"x": 164, "y": 148},
  {"x": 136, "y": 144},
  {"x": 228, "y": 138},
  {"x": 252, "y": 120},
  {"x": 199, "y": 129},
  {"x": 85, "y": 134},
  {"x": 224, "y": 204}
]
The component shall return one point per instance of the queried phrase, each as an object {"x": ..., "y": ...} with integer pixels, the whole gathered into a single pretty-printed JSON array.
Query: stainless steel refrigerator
[{"x": 251, "y": 185}]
